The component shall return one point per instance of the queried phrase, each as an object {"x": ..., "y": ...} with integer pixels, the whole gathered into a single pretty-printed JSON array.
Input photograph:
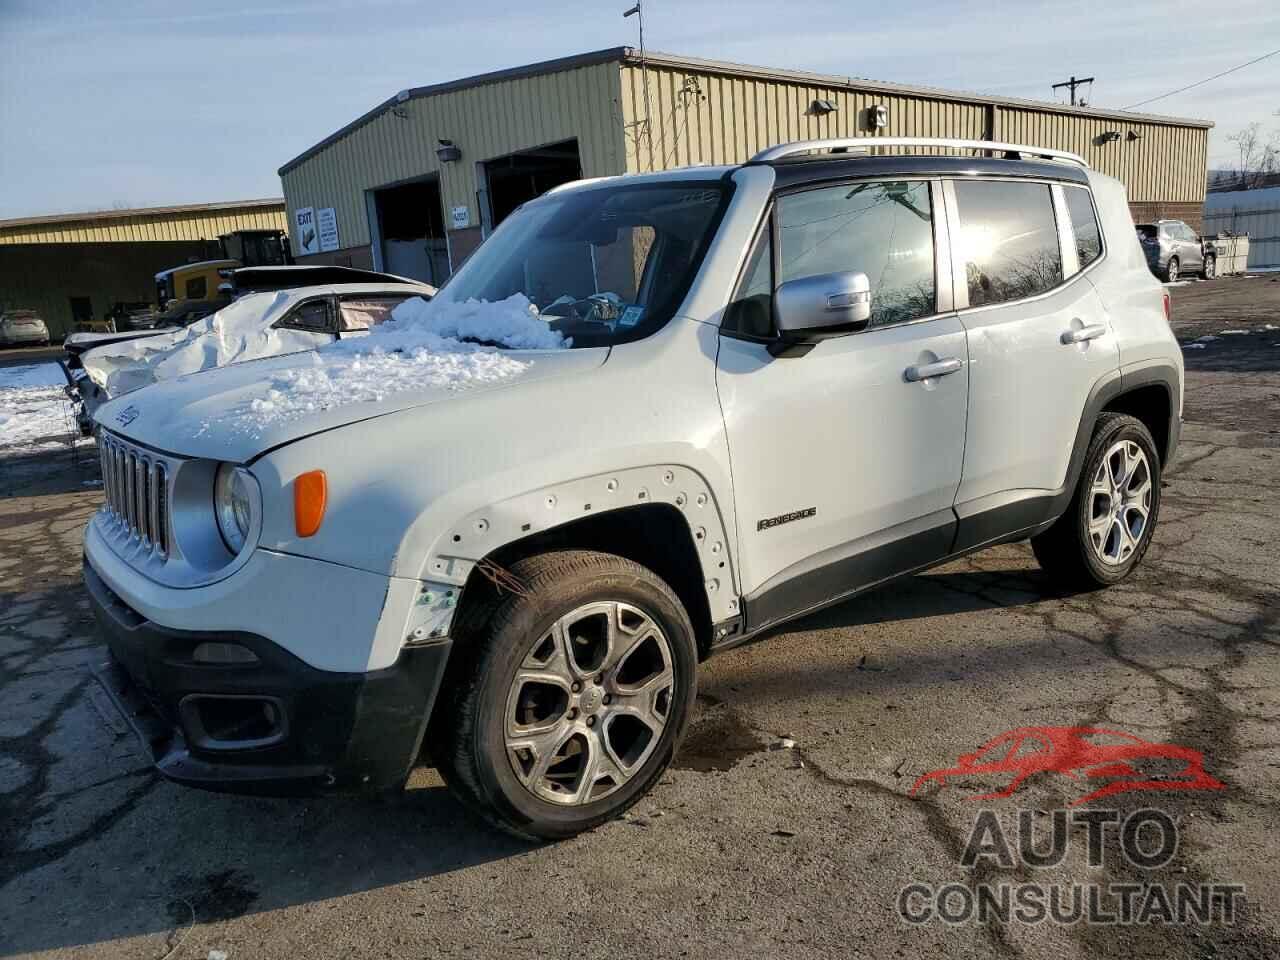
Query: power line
[{"x": 1202, "y": 82}]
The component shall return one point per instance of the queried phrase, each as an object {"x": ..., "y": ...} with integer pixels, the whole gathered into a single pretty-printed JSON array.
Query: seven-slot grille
[{"x": 137, "y": 491}]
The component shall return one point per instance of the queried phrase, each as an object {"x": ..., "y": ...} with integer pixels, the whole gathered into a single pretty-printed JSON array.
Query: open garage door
[
  {"x": 410, "y": 222},
  {"x": 518, "y": 177}
]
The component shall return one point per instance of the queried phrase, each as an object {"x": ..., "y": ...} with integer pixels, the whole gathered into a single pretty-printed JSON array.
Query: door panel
[
  {"x": 1027, "y": 388},
  {"x": 1037, "y": 344},
  {"x": 843, "y": 433}
]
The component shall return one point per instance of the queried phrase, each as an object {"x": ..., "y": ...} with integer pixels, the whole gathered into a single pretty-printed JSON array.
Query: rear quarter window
[{"x": 1084, "y": 224}]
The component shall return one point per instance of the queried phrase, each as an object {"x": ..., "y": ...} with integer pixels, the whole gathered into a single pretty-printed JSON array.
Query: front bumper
[{"x": 314, "y": 731}]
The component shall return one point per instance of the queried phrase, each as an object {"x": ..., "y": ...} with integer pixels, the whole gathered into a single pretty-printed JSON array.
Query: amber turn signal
[{"x": 309, "y": 494}]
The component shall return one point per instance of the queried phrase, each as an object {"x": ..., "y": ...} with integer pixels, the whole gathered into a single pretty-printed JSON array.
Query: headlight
[{"x": 235, "y": 501}]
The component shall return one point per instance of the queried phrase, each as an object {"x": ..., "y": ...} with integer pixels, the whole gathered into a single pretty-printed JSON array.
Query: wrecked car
[
  {"x": 254, "y": 326},
  {"x": 651, "y": 417}
]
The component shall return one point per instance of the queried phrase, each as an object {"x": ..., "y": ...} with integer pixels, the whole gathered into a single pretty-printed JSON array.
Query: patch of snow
[
  {"x": 242, "y": 330},
  {"x": 419, "y": 348},
  {"x": 1207, "y": 338},
  {"x": 1177, "y": 283},
  {"x": 1270, "y": 326},
  {"x": 513, "y": 322},
  {"x": 31, "y": 375},
  {"x": 35, "y": 412},
  {"x": 1228, "y": 333},
  {"x": 1193, "y": 346}
]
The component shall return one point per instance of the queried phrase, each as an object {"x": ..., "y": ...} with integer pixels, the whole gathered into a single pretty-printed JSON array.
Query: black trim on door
[{"x": 841, "y": 573}]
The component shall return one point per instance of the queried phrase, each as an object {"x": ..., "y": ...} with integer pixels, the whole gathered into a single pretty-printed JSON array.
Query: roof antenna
[{"x": 638, "y": 13}]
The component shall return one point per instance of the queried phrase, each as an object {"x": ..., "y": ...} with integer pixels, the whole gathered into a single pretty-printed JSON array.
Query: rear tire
[
  {"x": 566, "y": 703},
  {"x": 1108, "y": 526},
  {"x": 1210, "y": 268}
]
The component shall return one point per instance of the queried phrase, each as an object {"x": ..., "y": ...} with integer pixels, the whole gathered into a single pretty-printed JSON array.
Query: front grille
[{"x": 137, "y": 492}]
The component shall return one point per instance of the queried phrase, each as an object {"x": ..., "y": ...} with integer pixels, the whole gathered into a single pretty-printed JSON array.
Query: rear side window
[
  {"x": 1084, "y": 224},
  {"x": 196, "y": 289},
  {"x": 361, "y": 313},
  {"x": 882, "y": 229},
  {"x": 1008, "y": 239}
]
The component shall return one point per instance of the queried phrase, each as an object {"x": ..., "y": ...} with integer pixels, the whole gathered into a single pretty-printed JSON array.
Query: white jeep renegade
[{"x": 790, "y": 381}]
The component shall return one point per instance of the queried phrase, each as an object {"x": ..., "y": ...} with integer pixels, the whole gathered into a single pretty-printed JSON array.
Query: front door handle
[
  {"x": 927, "y": 371},
  {"x": 1091, "y": 332}
]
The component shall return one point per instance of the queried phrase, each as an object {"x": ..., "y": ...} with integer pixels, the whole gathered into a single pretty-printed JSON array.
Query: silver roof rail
[{"x": 866, "y": 143}]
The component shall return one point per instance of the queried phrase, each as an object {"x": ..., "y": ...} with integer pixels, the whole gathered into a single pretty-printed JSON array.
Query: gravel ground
[{"x": 786, "y": 827}]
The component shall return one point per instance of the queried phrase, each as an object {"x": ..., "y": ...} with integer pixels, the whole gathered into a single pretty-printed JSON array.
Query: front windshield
[{"x": 603, "y": 266}]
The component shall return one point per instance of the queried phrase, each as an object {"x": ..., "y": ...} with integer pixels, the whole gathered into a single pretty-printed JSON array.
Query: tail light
[{"x": 1168, "y": 308}]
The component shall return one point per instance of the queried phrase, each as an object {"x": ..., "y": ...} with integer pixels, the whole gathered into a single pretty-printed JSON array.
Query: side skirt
[{"x": 828, "y": 585}]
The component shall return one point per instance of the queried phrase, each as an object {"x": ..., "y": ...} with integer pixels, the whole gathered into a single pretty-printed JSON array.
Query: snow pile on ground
[
  {"x": 240, "y": 331},
  {"x": 34, "y": 410},
  {"x": 418, "y": 349}
]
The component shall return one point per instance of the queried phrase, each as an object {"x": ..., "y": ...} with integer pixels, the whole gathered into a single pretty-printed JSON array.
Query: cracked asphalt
[{"x": 787, "y": 826}]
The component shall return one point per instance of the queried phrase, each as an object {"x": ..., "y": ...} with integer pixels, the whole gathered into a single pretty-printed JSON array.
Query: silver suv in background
[
  {"x": 22, "y": 327},
  {"x": 1173, "y": 249}
]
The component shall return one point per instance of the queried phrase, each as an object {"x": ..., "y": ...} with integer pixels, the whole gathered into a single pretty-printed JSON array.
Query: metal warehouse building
[
  {"x": 415, "y": 184},
  {"x": 74, "y": 266}
]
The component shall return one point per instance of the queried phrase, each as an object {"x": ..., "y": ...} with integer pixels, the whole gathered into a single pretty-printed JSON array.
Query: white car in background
[{"x": 255, "y": 326}]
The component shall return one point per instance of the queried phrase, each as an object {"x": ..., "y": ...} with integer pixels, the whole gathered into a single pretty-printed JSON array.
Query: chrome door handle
[
  {"x": 1091, "y": 332},
  {"x": 927, "y": 371}
]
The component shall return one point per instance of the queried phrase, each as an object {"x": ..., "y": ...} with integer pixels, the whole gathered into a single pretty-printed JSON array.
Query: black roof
[{"x": 811, "y": 168}]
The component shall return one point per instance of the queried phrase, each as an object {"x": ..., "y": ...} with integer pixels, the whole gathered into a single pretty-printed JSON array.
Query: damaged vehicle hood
[{"x": 236, "y": 412}]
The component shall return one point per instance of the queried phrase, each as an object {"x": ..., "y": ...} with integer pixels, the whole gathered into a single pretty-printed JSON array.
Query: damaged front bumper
[{"x": 235, "y": 712}]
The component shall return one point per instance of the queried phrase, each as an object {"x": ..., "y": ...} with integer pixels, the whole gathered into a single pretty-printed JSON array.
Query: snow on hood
[
  {"x": 414, "y": 358},
  {"x": 242, "y": 330},
  {"x": 425, "y": 345}
]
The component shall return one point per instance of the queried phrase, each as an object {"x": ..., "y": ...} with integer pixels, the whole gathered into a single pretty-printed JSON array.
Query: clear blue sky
[{"x": 144, "y": 102}]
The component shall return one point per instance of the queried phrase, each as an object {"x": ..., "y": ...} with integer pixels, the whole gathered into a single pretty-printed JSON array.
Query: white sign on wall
[
  {"x": 327, "y": 224},
  {"x": 305, "y": 233},
  {"x": 461, "y": 217}
]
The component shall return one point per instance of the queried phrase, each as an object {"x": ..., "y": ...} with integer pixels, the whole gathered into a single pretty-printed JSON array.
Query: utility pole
[
  {"x": 1073, "y": 83},
  {"x": 638, "y": 13}
]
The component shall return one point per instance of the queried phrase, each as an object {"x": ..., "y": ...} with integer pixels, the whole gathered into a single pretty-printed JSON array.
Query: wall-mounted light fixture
[
  {"x": 1108, "y": 136},
  {"x": 447, "y": 152},
  {"x": 820, "y": 108},
  {"x": 1133, "y": 135},
  {"x": 877, "y": 117}
]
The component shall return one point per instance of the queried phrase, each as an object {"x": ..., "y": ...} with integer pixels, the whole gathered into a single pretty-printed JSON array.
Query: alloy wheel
[
  {"x": 1120, "y": 502},
  {"x": 589, "y": 703}
]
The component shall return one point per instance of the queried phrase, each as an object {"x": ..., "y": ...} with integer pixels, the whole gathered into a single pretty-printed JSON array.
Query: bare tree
[{"x": 1257, "y": 159}]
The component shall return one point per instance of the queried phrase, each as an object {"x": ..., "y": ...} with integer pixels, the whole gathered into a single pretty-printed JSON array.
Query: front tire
[
  {"x": 570, "y": 698},
  {"x": 1109, "y": 524},
  {"x": 1171, "y": 272}
]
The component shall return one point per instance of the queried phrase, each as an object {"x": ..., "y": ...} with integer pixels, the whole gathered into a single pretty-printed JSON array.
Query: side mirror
[{"x": 828, "y": 304}]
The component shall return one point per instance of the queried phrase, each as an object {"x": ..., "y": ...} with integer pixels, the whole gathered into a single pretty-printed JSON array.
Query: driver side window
[{"x": 883, "y": 229}]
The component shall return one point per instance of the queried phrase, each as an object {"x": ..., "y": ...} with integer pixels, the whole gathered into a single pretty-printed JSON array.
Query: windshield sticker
[{"x": 631, "y": 316}]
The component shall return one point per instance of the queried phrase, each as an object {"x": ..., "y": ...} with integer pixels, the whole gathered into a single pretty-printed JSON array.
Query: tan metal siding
[
  {"x": 485, "y": 121},
  {"x": 711, "y": 118},
  {"x": 161, "y": 227},
  {"x": 1166, "y": 163}
]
